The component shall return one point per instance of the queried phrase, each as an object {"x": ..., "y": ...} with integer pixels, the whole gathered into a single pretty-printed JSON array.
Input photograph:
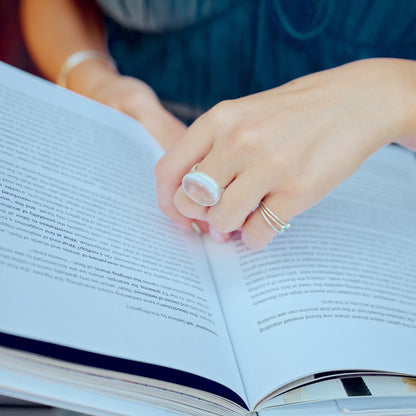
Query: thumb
[
  {"x": 160, "y": 123},
  {"x": 167, "y": 130}
]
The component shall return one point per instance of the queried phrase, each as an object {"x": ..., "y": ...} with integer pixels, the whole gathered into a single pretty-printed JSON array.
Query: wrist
[
  {"x": 385, "y": 99},
  {"x": 84, "y": 69},
  {"x": 397, "y": 99},
  {"x": 407, "y": 103}
]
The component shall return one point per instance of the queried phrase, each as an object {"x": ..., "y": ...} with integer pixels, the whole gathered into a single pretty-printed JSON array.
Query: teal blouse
[{"x": 195, "y": 53}]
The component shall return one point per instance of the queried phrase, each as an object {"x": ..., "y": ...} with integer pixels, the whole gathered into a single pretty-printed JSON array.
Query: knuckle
[
  {"x": 221, "y": 221},
  {"x": 238, "y": 134},
  {"x": 221, "y": 111},
  {"x": 292, "y": 190},
  {"x": 247, "y": 141},
  {"x": 243, "y": 140},
  {"x": 277, "y": 158},
  {"x": 218, "y": 116},
  {"x": 239, "y": 139},
  {"x": 298, "y": 191}
]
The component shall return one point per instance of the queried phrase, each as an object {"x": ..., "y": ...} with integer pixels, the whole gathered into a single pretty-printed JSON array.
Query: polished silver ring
[
  {"x": 201, "y": 188},
  {"x": 272, "y": 219}
]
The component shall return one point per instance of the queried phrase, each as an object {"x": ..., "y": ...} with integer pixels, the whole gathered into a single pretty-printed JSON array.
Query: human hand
[
  {"x": 135, "y": 98},
  {"x": 102, "y": 83},
  {"x": 288, "y": 146}
]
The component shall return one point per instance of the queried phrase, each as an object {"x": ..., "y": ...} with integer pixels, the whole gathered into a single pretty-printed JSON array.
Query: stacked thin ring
[
  {"x": 272, "y": 219},
  {"x": 205, "y": 191}
]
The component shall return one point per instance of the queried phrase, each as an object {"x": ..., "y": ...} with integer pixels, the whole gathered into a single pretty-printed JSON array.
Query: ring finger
[
  {"x": 203, "y": 186},
  {"x": 270, "y": 218}
]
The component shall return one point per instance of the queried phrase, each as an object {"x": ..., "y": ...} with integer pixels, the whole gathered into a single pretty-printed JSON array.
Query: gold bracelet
[{"x": 78, "y": 57}]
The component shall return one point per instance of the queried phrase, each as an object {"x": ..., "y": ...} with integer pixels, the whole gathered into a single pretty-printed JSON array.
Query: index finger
[{"x": 192, "y": 147}]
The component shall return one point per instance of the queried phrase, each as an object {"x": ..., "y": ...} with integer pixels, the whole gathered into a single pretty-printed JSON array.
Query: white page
[
  {"x": 336, "y": 291},
  {"x": 86, "y": 258},
  {"x": 88, "y": 402},
  {"x": 391, "y": 386}
]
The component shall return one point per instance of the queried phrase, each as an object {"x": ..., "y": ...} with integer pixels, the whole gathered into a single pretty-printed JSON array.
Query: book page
[
  {"x": 66, "y": 397},
  {"x": 87, "y": 260},
  {"x": 336, "y": 291}
]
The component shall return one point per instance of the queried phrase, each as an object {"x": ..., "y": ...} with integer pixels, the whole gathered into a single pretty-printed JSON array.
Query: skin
[
  {"x": 55, "y": 29},
  {"x": 289, "y": 146}
]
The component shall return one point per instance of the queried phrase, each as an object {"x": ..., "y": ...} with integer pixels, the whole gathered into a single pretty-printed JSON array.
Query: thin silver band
[
  {"x": 272, "y": 219},
  {"x": 78, "y": 57}
]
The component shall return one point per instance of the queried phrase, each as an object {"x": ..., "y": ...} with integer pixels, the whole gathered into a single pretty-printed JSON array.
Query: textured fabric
[
  {"x": 163, "y": 15},
  {"x": 195, "y": 53}
]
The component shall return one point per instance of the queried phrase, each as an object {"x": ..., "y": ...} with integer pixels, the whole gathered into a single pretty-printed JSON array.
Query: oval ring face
[{"x": 201, "y": 188}]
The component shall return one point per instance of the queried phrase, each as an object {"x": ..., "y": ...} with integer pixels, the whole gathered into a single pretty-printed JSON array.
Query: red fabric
[{"x": 12, "y": 48}]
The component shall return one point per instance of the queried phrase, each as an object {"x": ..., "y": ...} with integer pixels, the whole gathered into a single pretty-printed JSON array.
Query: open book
[{"x": 102, "y": 294}]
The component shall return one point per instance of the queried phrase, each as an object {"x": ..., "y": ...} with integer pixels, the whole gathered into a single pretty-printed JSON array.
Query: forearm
[
  {"x": 407, "y": 73},
  {"x": 55, "y": 29}
]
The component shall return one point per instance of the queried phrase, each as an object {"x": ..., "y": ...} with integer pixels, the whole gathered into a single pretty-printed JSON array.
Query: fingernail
[
  {"x": 195, "y": 228},
  {"x": 216, "y": 235}
]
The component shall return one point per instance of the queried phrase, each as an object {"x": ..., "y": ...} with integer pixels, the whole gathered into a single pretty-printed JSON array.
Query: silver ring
[
  {"x": 201, "y": 188},
  {"x": 272, "y": 219}
]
